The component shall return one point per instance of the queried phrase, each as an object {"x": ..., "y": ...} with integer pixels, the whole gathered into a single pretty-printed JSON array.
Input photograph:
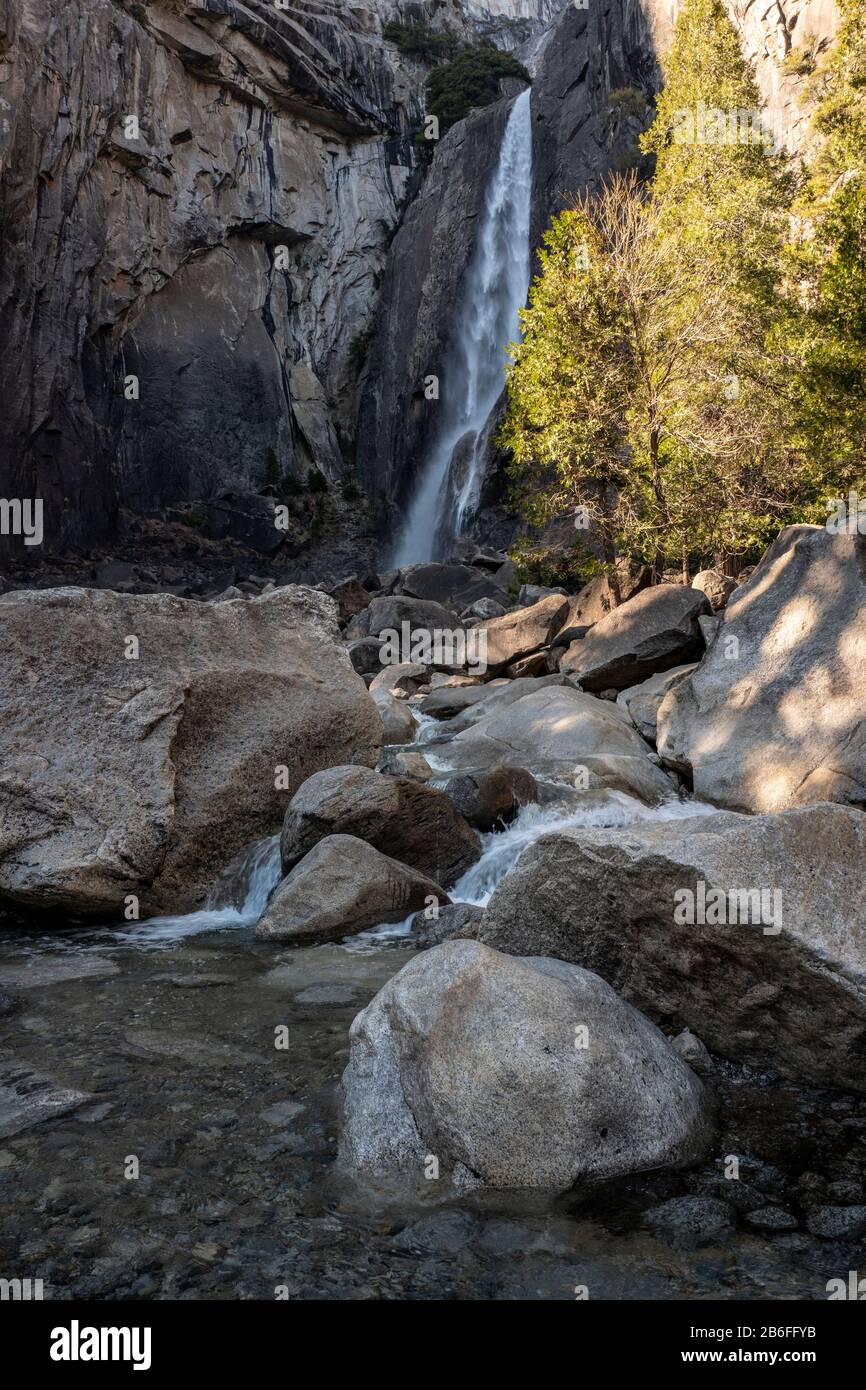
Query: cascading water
[{"x": 488, "y": 319}]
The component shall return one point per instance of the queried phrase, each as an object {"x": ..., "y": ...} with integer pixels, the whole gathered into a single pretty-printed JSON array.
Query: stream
[{"x": 156, "y": 1141}]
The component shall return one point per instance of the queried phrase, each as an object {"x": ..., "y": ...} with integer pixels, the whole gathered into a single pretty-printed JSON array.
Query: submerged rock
[
  {"x": 746, "y": 929},
  {"x": 460, "y": 919},
  {"x": 341, "y": 887},
  {"x": 400, "y": 816},
  {"x": 142, "y": 738},
  {"x": 514, "y": 1074}
]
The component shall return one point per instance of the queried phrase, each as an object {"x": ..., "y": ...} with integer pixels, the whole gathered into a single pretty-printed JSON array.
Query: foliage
[
  {"x": 471, "y": 79},
  {"x": 825, "y": 334},
  {"x": 428, "y": 44},
  {"x": 359, "y": 347},
  {"x": 317, "y": 482}
]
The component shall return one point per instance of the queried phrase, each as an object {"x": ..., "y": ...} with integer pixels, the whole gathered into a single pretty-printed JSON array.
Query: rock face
[
  {"x": 402, "y": 817},
  {"x": 341, "y": 887},
  {"x": 559, "y": 730},
  {"x": 470, "y": 1055},
  {"x": 144, "y": 775},
  {"x": 779, "y": 981},
  {"x": 775, "y": 715},
  {"x": 653, "y": 631}
]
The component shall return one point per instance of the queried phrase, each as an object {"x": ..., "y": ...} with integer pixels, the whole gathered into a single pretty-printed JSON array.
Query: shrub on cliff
[{"x": 471, "y": 79}]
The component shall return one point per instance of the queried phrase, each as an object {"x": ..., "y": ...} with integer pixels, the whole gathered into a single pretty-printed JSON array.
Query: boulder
[
  {"x": 143, "y": 737},
  {"x": 399, "y": 815},
  {"x": 403, "y": 762},
  {"x": 457, "y": 586},
  {"x": 641, "y": 702},
  {"x": 492, "y": 797},
  {"x": 364, "y": 655},
  {"x": 534, "y": 593},
  {"x": 596, "y": 599},
  {"x": 474, "y": 1057},
  {"x": 388, "y": 613},
  {"x": 398, "y": 721},
  {"x": 402, "y": 679},
  {"x": 482, "y": 609},
  {"x": 775, "y": 715},
  {"x": 351, "y": 597},
  {"x": 655, "y": 630},
  {"x": 460, "y": 919},
  {"x": 780, "y": 981},
  {"x": 343, "y": 886},
  {"x": 523, "y": 631},
  {"x": 555, "y": 730},
  {"x": 446, "y": 702},
  {"x": 718, "y": 587}
]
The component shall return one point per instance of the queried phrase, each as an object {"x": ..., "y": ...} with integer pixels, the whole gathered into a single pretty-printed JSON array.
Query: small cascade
[
  {"x": 238, "y": 900},
  {"x": 488, "y": 319}
]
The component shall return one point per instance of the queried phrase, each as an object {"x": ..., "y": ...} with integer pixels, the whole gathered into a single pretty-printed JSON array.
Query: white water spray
[{"x": 488, "y": 319}]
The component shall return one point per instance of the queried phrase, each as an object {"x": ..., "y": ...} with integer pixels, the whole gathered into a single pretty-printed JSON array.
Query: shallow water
[{"x": 157, "y": 1042}]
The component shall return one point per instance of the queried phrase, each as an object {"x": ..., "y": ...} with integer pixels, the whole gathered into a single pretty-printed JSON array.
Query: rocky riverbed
[
  {"x": 330, "y": 974},
  {"x": 170, "y": 1048}
]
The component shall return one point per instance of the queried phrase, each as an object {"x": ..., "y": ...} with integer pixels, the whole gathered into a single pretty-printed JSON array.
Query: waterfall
[{"x": 496, "y": 286}]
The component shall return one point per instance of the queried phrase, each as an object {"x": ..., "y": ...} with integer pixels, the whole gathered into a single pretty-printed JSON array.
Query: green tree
[
  {"x": 826, "y": 330},
  {"x": 471, "y": 79}
]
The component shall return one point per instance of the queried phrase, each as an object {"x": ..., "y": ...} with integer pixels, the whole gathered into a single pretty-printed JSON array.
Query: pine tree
[{"x": 827, "y": 276}]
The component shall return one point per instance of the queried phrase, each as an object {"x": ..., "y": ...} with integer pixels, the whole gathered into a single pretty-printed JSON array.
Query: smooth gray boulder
[
  {"x": 400, "y": 816},
  {"x": 391, "y": 611},
  {"x": 775, "y": 715},
  {"x": 779, "y": 981},
  {"x": 641, "y": 702},
  {"x": 146, "y": 739},
  {"x": 596, "y": 599},
  {"x": 490, "y": 797},
  {"x": 456, "y": 586},
  {"x": 558, "y": 730},
  {"x": 344, "y": 886},
  {"x": 401, "y": 679},
  {"x": 523, "y": 631},
  {"x": 655, "y": 630},
  {"x": 398, "y": 721},
  {"x": 513, "y": 1074},
  {"x": 718, "y": 587},
  {"x": 460, "y": 920}
]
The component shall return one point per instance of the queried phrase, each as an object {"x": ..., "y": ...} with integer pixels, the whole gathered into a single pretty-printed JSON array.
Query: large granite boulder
[
  {"x": 718, "y": 587},
  {"x": 144, "y": 740},
  {"x": 513, "y": 1074},
  {"x": 344, "y": 886},
  {"x": 523, "y": 631},
  {"x": 775, "y": 715},
  {"x": 653, "y": 631},
  {"x": 747, "y": 930},
  {"x": 558, "y": 730},
  {"x": 400, "y": 816},
  {"x": 642, "y": 701},
  {"x": 388, "y": 613},
  {"x": 457, "y": 586},
  {"x": 398, "y": 721},
  {"x": 596, "y": 599}
]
